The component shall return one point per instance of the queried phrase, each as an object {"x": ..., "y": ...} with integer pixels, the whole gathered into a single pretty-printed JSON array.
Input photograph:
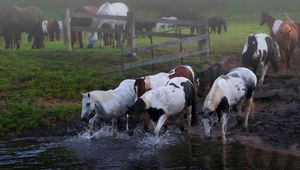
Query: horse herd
[
  {"x": 15, "y": 20},
  {"x": 224, "y": 85}
]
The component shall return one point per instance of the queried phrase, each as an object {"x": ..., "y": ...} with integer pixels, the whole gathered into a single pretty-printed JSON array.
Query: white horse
[
  {"x": 260, "y": 49},
  {"x": 235, "y": 88},
  {"x": 44, "y": 29},
  {"x": 116, "y": 9},
  {"x": 108, "y": 105},
  {"x": 166, "y": 25},
  {"x": 167, "y": 101}
]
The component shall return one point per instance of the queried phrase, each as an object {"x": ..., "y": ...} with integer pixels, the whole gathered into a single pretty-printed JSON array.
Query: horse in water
[
  {"x": 206, "y": 77},
  {"x": 115, "y": 9},
  {"x": 108, "y": 105},
  {"x": 286, "y": 34},
  {"x": 235, "y": 88},
  {"x": 15, "y": 20},
  {"x": 217, "y": 23},
  {"x": 76, "y": 36},
  {"x": 260, "y": 49},
  {"x": 144, "y": 84},
  {"x": 167, "y": 101}
]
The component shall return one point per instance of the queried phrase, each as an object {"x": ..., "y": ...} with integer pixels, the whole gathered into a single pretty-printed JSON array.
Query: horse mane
[
  {"x": 214, "y": 97},
  {"x": 287, "y": 18}
]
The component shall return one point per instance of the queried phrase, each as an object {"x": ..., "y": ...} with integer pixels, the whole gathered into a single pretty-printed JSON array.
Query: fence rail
[{"x": 202, "y": 37}]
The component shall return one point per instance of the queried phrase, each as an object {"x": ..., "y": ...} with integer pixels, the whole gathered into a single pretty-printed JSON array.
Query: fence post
[
  {"x": 203, "y": 44},
  {"x": 67, "y": 30},
  {"x": 131, "y": 32}
]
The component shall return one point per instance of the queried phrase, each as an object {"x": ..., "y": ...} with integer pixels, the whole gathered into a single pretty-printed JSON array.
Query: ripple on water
[{"x": 122, "y": 147}]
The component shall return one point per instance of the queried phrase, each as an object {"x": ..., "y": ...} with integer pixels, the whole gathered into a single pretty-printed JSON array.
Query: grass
[{"x": 42, "y": 86}]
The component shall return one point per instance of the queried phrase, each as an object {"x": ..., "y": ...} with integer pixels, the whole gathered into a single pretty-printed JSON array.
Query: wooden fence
[{"x": 202, "y": 38}]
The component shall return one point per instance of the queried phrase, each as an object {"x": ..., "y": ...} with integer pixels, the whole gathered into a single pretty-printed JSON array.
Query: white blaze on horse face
[
  {"x": 276, "y": 26},
  {"x": 207, "y": 126}
]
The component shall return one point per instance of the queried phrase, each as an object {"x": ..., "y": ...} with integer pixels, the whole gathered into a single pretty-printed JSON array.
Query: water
[{"x": 142, "y": 151}]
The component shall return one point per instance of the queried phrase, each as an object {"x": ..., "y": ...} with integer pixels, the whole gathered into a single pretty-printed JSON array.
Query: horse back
[
  {"x": 182, "y": 71},
  {"x": 288, "y": 33}
]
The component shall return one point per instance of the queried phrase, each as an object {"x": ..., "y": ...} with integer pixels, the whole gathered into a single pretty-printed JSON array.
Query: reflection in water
[{"x": 141, "y": 151}]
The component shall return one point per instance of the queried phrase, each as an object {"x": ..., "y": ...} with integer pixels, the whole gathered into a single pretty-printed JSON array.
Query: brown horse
[
  {"x": 286, "y": 34},
  {"x": 53, "y": 29},
  {"x": 15, "y": 20},
  {"x": 206, "y": 77},
  {"x": 76, "y": 36}
]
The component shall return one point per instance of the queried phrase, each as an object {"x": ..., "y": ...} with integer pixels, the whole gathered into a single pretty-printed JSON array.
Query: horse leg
[
  {"x": 248, "y": 108},
  {"x": 224, "y": 120},
  {"x": 160, "y": 123},
  {"x": 189, "y": 118},
  {"x": 239, "y": 114},
  {"x": 263, "y": 73},
  {"x": 92, "y": 122},
  {"x": 114, "y": 126}
]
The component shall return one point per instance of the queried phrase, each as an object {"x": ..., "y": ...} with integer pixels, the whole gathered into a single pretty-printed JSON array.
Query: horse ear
[
  {"x": 89, "y": 95},
  {"x": 83, "y": 94}
]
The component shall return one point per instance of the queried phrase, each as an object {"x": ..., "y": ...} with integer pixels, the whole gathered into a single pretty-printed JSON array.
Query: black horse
[{"x": 216, "y": 23}]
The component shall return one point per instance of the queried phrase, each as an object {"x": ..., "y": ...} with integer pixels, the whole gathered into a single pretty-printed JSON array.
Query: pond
[{"x": 141, "y": 151}]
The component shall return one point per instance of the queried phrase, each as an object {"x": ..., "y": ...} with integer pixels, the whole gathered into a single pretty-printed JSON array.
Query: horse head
[
  {"x": 265, "y": 17},
  {"x": 139, "y": 87},
  {"x": 208, "y": 120},
  {"x": 88, "y": 106}
]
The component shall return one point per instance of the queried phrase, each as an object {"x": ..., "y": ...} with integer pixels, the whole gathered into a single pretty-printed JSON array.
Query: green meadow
[{"x": 42, "y": 86}]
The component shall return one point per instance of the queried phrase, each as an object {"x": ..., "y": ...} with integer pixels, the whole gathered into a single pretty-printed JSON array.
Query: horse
[
  {"x": 165, "y": 25},
  {"x": 76, "y": 36},
  {"x": 108, "y": 105},
  {"x": 53, "y": 29},
  {"x": 206, "y": 77},
  {"x": 167, "y": 101},
  {"x": 217, "y": 22},
  {"x": 287, "y": 18},
  {"x": 15, "y": 20},
  {"x": 260, "y": 48},
  {"x": 146, "y": 83},
  {"x": 144, "y": 26},
  {"x": 45, "y": 31},
  {"x": 116, "y": 9},
  {"x": 286, "y": 34},
  {"x": 151, "y": 82},
  {"x": 235, "y": 88}
]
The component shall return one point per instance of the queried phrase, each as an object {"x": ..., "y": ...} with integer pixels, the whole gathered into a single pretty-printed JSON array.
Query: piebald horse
[
  {"x": 260, "y": 48},
  {"x": 167, "y": 101},
  {"x": 146, "y": 83},
  {"x": 235, "y": 88},
  {"x": 285, "y": 34}
]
